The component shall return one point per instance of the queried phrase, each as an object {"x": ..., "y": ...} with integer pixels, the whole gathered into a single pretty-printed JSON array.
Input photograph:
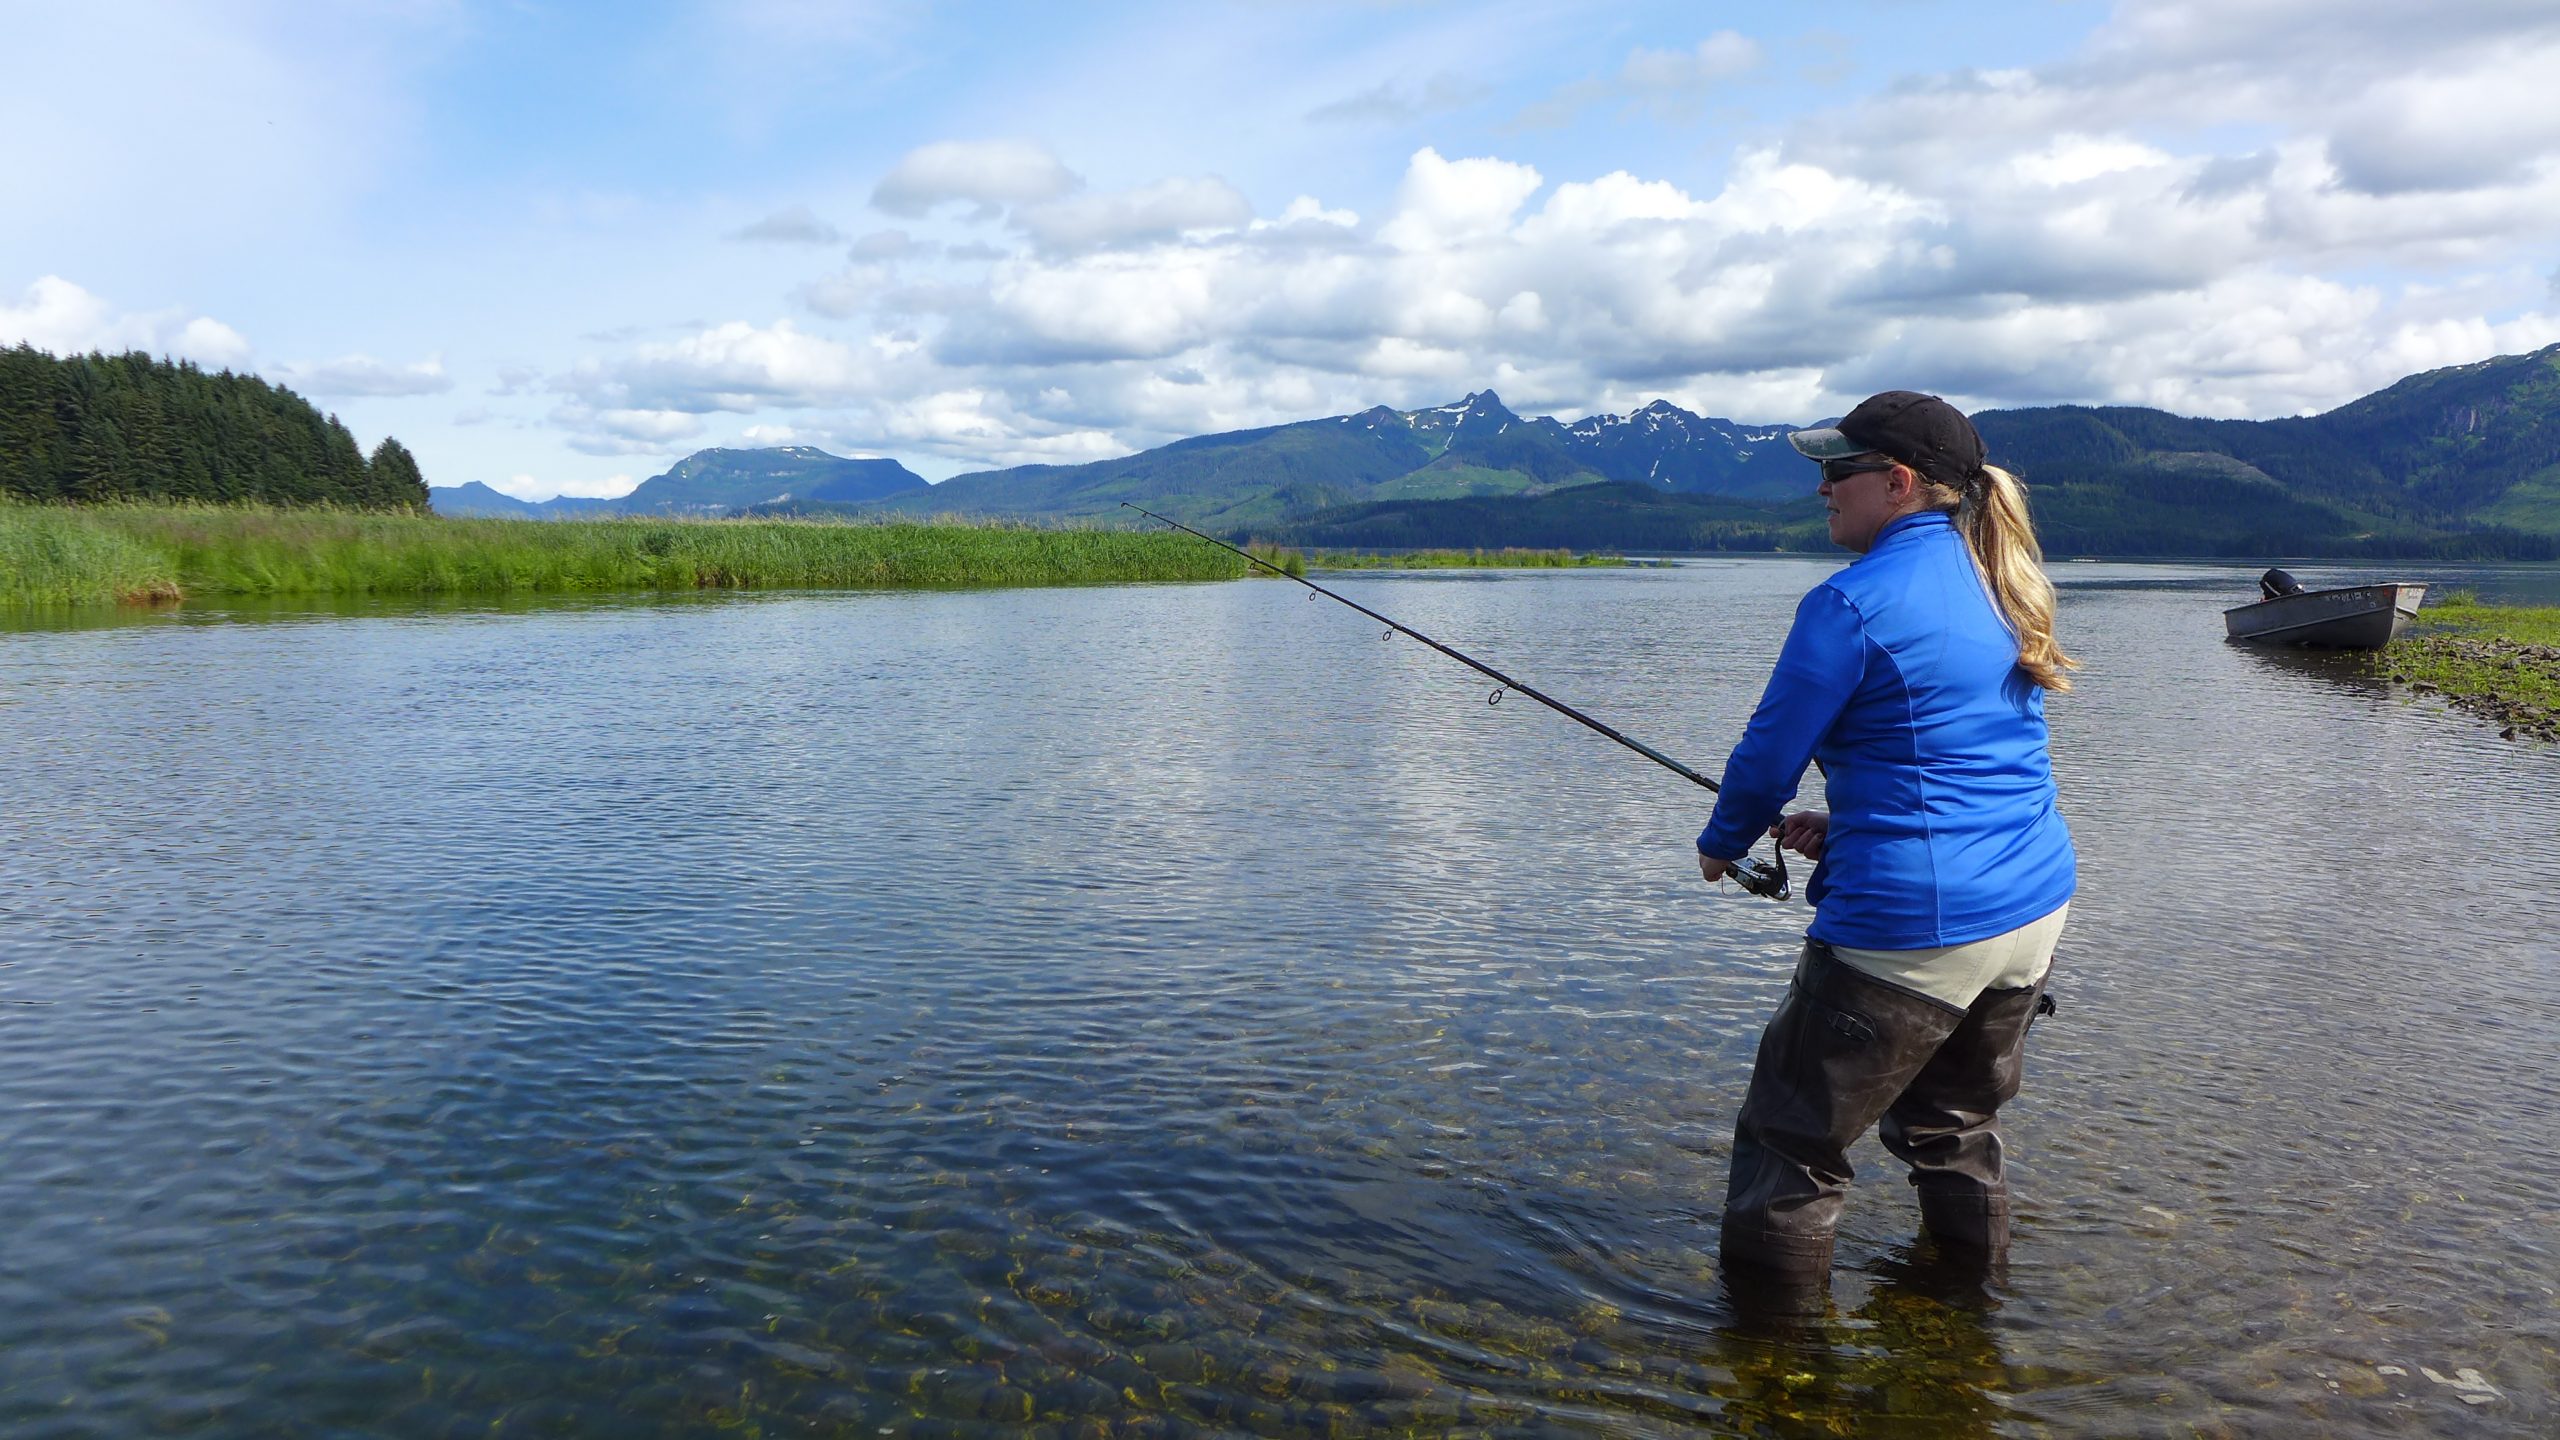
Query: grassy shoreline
[
  {"x": 143, "y": 554},
  {"x": 2501, "y": 662}
]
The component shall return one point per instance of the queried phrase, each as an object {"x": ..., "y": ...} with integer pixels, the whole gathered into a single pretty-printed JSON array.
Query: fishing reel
[{"x": 1769, "y": 879}]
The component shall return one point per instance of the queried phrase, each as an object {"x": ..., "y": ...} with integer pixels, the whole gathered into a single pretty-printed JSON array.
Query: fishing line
[{"x": 1768, "y": 879}]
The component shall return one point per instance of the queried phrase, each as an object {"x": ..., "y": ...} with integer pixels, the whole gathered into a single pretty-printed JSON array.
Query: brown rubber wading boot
[
  {"x": 1946, "y": 1126},
  {"x": 1840, "y": 1048}
]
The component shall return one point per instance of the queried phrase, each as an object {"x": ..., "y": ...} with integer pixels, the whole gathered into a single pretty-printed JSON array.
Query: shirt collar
[{"x": 1916, "y": 521}]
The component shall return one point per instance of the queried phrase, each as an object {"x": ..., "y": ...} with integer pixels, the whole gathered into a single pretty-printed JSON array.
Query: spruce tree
[
  {"x": 113, "y": 427},
  {"x": 31, "y": 440},
  {"x": 392, "y": 478}
]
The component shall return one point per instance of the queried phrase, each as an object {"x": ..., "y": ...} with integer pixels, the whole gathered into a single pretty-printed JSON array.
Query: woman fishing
[{"x": 1915, "y": 676}]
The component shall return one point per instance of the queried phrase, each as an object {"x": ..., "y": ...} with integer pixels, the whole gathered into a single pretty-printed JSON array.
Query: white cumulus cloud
[
  {"x": 58, "y": 316},
  {"x": 625, "y": 431},
  {"x": 1160, "y": 211},
  {"x": 987, "y": 175},
  {"x": 736, "y": 367},
  {"x": 651, "y": 397},
  {"x": 1450, "y": 202},
  {"x": 364, "y": 375}
]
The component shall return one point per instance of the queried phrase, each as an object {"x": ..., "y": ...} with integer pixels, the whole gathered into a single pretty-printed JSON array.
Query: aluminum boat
[{"x": 2350, "y": 617}]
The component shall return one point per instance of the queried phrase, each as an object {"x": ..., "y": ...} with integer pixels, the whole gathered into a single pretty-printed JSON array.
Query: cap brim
[{"x": 1828, "y": 444}]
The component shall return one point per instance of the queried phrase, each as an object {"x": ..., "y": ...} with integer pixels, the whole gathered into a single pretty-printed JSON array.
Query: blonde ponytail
[{"x": 1992, "y": 517}]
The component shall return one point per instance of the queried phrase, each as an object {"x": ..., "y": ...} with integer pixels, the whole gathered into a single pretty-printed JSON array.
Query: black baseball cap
[{"x": 1922, "y": 431}]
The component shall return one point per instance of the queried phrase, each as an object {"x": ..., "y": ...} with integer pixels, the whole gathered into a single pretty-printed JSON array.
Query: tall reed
[
  {"x": 50, "y": 555},
  {"x": 67, "y": 554}
]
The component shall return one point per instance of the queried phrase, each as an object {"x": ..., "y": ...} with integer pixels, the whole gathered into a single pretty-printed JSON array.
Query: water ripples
[{"x": 1167, "y": 1010}]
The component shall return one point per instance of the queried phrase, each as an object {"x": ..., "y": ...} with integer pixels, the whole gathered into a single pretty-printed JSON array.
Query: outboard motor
[{"x": 2275, "y": 585}]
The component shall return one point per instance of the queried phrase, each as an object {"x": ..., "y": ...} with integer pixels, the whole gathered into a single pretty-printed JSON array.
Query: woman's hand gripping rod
[{"x": 1769, "y": 879}]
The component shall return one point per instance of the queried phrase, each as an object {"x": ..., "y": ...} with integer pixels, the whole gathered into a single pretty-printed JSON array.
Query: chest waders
[{"x": 1846, "y": 1051}]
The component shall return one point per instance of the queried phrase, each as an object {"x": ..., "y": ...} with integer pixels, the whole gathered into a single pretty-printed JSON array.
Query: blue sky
[{"x": 557, "y": 247}]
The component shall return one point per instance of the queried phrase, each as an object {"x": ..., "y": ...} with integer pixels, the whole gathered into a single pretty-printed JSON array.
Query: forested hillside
[
  {"x": 90, "y": 428},
  {"x": 1611, "y": 515},
  {"x": 1238, "y": 478}
]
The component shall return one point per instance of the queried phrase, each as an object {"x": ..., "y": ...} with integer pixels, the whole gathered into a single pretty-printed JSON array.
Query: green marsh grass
[
  {"x": 55, "y": 554},
  {"x": 50, "y": 556},
  {"x": 2460, "y": 612},
  {"x": 2499, "y": 661},
  {"x": 1282, "y": 558}
]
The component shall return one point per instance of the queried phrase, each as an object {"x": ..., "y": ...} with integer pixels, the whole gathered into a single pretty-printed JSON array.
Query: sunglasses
[{"x": 1835, "y": 471}]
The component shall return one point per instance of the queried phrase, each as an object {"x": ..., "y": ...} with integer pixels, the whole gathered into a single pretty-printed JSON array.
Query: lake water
[{"x": 1168, "y": 1010}]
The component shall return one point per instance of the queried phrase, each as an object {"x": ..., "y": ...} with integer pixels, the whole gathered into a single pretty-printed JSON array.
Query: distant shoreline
[{"x": 1510, "y": 557}]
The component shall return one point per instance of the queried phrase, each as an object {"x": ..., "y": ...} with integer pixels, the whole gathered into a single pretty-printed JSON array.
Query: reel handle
[{"x": 1764, "y": 879}]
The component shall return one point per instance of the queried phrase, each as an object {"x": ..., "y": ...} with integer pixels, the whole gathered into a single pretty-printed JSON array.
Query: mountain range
[
  {"x": 2461, "y": 462},
  {"x": 1475, "y": 447},
  {"x": 707, "y": 483}
]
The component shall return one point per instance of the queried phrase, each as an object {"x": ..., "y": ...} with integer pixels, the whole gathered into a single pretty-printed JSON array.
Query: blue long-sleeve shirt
[{"x": 1901, "y": 678}]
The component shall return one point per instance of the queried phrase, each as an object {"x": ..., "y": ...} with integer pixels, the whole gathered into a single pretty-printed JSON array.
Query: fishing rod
[{"x": 1760, "y": 879}]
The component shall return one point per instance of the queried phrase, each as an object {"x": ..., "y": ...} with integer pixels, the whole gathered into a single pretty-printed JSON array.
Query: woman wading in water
[{"x": 1916, "y": 677}]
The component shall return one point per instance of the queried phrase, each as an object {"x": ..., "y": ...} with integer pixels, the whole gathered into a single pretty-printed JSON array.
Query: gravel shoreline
[{"x": 2510, "y": 683}]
